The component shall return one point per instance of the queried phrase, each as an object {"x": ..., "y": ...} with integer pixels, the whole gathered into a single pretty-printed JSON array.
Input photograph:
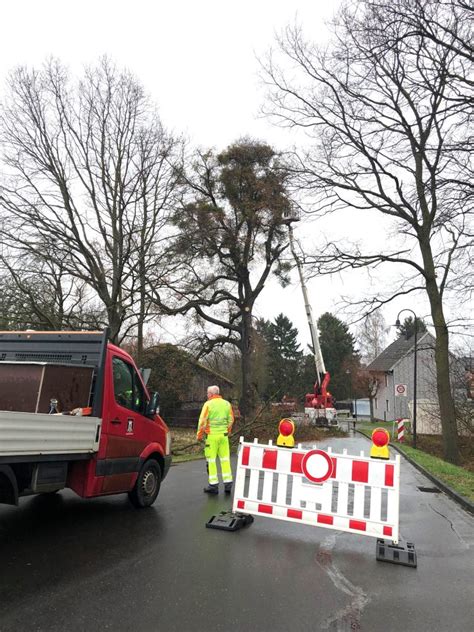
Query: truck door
[{"x": 125, "y": 441}]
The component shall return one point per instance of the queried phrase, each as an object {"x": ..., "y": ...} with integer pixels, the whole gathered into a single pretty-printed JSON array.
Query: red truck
[{"x": 75, "y": 412}]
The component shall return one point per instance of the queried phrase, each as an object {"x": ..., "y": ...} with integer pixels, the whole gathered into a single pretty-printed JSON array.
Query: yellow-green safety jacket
[{"x": 217, "y": 417}]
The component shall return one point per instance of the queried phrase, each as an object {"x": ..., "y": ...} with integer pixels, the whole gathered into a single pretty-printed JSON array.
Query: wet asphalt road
[{"x": 71, "y": 564}]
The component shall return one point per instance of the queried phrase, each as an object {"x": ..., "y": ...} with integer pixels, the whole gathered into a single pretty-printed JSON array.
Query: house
[
  {"x": 395, "y": 366},
  {"x": 182, "y": 383}
]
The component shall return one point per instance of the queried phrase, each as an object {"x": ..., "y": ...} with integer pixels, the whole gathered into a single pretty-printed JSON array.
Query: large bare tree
[
  {"x": 387, "y": 106},
  {"x": 88, "y": 181}
]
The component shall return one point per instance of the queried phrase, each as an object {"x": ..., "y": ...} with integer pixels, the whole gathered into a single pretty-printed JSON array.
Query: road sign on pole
[{"x": 401, "y": 390}]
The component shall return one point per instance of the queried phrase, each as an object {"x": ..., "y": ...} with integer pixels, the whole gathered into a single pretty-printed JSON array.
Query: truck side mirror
[
  {"x": 145, "y": 373},
  {"x": 153, "y": 405}
]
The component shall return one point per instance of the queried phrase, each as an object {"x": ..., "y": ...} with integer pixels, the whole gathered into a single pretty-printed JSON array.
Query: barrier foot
[
  {"x": 229, "y": 521},
  {"x": 403, "y": 554}
]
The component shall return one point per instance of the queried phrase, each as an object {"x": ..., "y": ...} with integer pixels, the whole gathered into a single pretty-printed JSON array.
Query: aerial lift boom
[{"x": 319, "y": 405}]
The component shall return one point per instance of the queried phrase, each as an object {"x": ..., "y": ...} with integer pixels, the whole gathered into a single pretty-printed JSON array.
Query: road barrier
[
  {"x": 401, "y": 430},
  {"x": 349, "y": 493}
]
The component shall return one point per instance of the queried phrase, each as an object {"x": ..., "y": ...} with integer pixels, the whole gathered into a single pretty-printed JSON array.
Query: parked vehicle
[{"x": 75, "y": 412}]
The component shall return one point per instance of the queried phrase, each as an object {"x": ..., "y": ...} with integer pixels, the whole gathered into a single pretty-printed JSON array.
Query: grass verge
[
  {"x": 183, "y": 458},
  {"x": 458, "y": 478}
]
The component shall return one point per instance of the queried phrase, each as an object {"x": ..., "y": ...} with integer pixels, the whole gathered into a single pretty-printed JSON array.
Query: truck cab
[{"x": 75, "y": 412}]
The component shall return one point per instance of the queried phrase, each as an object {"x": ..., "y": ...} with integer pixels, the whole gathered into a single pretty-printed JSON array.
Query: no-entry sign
[
  {"x": 317, "y": 466},
  {"x": 401, "y": 390}
]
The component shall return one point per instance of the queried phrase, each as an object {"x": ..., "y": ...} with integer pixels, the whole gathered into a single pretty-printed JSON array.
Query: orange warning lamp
[
  {"x": 286, "y": 428},
  {"x": 380, "y": 441}
]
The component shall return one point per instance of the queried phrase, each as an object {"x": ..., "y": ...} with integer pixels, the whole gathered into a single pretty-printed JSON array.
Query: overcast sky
[{"x": 198, "y": 60}]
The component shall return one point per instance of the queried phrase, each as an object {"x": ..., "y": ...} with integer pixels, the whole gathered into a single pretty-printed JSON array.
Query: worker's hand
[{"x": 199, "y": 437}]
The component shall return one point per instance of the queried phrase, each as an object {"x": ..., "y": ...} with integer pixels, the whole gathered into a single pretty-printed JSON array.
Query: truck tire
[{"x": 147, "y": 485}]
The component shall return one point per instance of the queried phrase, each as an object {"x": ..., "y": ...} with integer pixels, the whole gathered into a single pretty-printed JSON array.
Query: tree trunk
[
  {"x": 371, "y": 401},
  {"x": 139, "y": 341},
  {"x": 115, "y": 322},
  {"x": 443, "y": 384},
  {"x": 445, "y": 396},
  {"x": 247, "y": 400},
  {"x": 141, "y": 315}
]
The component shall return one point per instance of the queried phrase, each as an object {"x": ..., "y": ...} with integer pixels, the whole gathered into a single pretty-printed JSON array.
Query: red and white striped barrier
[
  {"x": 401, "y": 430},
  {"x": 349, "y": 493}
]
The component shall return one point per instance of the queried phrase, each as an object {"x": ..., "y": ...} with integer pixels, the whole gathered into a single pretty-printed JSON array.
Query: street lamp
[{"x": 397, "y": 324}]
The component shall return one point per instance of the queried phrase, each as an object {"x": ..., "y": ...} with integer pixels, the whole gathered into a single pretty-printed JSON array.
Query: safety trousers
[{"x": 217, "y": 445}]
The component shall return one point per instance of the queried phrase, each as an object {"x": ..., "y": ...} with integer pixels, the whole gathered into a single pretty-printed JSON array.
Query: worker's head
[{"x": 212, "y": 390}]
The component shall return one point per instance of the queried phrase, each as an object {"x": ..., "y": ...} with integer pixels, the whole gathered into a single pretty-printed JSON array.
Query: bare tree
[
  {"x": 382, "y": 104},
  {"x": 371, "y": 336},
  {"x": 367, "y": 384},
  {"x": 39, "y": 295},
  {"x": 88, "y": 179},
  {"x": 232, "y": 233}
]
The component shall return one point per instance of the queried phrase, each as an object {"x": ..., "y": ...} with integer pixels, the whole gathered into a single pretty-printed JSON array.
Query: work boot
[
  {"x": 211, "y": 489},
  {"x": 228, "y": 488}
]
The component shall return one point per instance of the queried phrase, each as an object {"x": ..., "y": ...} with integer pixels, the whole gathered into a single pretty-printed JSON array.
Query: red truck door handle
[{"x": 116, "y": 422}]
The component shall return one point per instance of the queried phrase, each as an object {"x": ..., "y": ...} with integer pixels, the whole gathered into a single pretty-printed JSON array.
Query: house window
[
  {"x": 376, "y": 404},
  {"x": 387, "y": 405},
  {"x": 386, "y": 379}
]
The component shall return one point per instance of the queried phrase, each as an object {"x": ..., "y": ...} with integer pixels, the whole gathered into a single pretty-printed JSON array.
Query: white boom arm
[{"x": 318, "y": 357}]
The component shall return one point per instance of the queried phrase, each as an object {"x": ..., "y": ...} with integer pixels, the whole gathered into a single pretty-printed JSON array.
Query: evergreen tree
[
  {"x": 284, "y": 356},
  {"x": 306, "y": 376},
  {"x": 407, "y": 328},
  {"x": 338, "y": 349}
]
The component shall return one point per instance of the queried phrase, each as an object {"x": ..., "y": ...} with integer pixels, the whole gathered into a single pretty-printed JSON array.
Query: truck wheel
[{"x": 147, "y": 485}]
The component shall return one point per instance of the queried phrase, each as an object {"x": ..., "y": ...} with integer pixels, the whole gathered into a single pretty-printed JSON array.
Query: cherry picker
[{"x": 319, "y": 405}]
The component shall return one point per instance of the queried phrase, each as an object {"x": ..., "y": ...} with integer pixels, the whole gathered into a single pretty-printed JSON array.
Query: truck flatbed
[{"x": 27, "y": 434}]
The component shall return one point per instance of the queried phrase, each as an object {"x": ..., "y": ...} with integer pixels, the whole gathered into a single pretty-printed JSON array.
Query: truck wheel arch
[
  {"x": 158, "y": 457},
  {"x": 8, "y": 486},
  {"x": 153, "y": 451}
]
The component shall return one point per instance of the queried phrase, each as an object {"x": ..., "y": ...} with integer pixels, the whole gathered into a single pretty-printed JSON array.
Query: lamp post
[
  {"x": 397, "y": 324},
  {"x": 354, "y": 413}
]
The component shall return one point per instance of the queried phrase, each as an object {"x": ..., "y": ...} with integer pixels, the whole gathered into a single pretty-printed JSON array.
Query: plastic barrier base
[
  {"x": 387, "y": 551},
  {"x": 229, "y": 521}
]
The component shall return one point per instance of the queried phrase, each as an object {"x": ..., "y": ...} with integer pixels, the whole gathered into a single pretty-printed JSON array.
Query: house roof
[
  {"x": 212, "y": 372},
  {"x": 187, "y": 357},
  {"x": 394, "y": 353}
]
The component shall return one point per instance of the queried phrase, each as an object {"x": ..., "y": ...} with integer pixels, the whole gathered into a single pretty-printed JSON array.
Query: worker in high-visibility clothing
[{"x": 215, "y": 423}]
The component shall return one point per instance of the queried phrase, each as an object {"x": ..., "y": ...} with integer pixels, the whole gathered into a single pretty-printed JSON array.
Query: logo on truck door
[{"x": 129, "y": 426}]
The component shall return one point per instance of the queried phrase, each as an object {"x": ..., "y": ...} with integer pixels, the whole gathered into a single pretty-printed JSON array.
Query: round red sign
[{"x": 317, "y": 466}]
